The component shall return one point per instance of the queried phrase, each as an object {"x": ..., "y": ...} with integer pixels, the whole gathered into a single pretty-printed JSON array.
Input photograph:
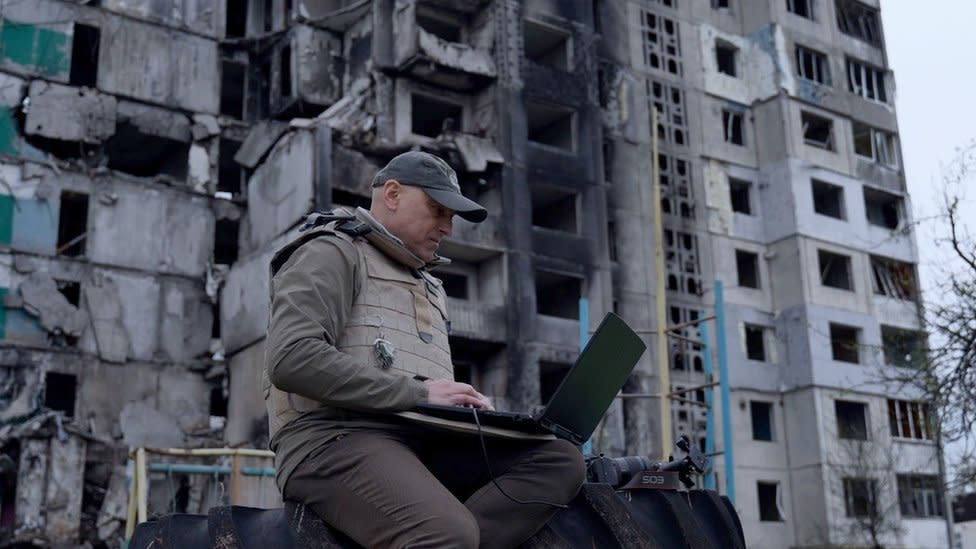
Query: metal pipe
[
  {"x": 661, "y": 310},
  {"x": 584, "y": 333},
  {"x": 197, "y": 469},
  {"x": 250, "y": 452},
  {"x": 723, "y": 372},
  {"x": 710, "y": 413}
]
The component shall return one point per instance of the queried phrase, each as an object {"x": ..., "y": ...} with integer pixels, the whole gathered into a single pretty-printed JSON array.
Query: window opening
[
  {"x": 230, "y": 174},
  {"x": 285, "y": 63},
  {"x": 557, "y": 294},
  {"x": 72, "y": 224},
  {"x": 455, "y": 285},
  {"x": 828, "y": 199},
  {"x": 725, "y": 58},
  {"x": 762, "y": 420},
  {"x": 84, "y": 55},
  {"x": 812, "y": 65},
  {"x": 554, "y": 210},
  {"x": 232, "y": 83},
  {"x": 866, "y": 81},
  {"x": 551, "y": 125},
  {"x": 60, "y": 392},
  {"x": 429, "y": 115},
  {"x": 858, "y": 20},
  {"x": 817, "y": 131},
  {"x": 803, "y": 8},
  {"x": 444, "y": 30},
  {"x": 844, "y": 343},
  {"x": 835, "y": 270},
  {"x": 236, "y": 21},
  {"x": 141, "y": 154},
  {"x": 226, "y": 234},
  {"x": 546, "y": 46},
  {"x": 919, "y": 496},
  {"x": 755, "y": 342},
  {"x": 903, "y": 348},
  {"x": 739, "y": 191},
  {"x": 882, "y": 209},
  {"x": 768, "y": 493},
  {"x": 732, "y": 126},
  {"x": 747, "y": 267},
  {"x": 852, "y": 422},
  {"x": 893, "y": 278},
  {"x": 859, "y": 500},
  {"x": 908, "y": 419}
]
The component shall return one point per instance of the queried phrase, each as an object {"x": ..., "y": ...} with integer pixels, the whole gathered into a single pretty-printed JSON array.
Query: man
[{"x": 358, "y": 331}]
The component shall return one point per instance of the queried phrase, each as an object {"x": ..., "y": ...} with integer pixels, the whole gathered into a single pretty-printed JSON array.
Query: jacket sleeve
[{"x": 312, "y": 295}]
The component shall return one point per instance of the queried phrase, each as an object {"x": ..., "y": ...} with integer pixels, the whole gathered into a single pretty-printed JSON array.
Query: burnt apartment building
[{"x": 153, "y": 155}]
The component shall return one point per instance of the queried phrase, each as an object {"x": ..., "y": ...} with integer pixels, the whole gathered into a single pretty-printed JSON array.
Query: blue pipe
[
  {"x": 584, "y": 333},
  {"x": 723, "y": 372},
  {"x": 194, "y": 469},
  {"x": 709, "y": 398}
]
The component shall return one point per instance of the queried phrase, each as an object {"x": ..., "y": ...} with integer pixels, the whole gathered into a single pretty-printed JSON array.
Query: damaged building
[{"x": 153, "y": 155}]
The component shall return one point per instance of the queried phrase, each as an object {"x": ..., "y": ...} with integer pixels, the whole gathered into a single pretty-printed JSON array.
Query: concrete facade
[{"x": 153, "y": 155}]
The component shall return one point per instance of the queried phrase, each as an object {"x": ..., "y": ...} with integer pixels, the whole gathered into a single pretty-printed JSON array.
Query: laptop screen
[{"x": 591, "y": 385}]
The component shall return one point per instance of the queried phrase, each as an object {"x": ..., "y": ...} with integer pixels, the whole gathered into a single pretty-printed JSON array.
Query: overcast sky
[{"x": 935, "y": 76}]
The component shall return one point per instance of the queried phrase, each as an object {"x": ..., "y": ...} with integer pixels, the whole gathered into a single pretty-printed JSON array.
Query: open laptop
[{"x": 578, "y": 404}]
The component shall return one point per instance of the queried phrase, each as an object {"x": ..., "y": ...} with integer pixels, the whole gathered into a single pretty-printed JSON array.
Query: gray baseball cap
[{"x": 436, "y": 178}]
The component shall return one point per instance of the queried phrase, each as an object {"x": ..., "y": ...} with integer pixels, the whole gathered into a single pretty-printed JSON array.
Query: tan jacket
[{"x": 356, "y": 324}]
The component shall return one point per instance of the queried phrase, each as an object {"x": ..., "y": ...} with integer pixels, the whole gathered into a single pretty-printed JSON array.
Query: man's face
[{"x": 421, "y": 222}]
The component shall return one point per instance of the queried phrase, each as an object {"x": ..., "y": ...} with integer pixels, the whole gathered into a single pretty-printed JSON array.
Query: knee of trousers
[
  {"x": 568, "y": 471},
  {"x": 455, "y": 528}
]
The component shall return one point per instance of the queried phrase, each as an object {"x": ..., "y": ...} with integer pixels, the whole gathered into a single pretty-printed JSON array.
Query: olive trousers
[{"x": 406, "y": 488}]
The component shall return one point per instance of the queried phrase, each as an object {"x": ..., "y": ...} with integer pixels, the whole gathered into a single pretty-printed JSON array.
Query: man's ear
[{"x": 391, "y": 194}]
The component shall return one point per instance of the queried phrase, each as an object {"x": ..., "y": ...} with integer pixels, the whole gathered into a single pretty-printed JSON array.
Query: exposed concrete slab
[
  {"x": 317, "y": 68},
  {"x": 104, "y": 306},
  {"x": 174, "y": 68},
  {"x": 186, "y": 313},
  {"x": 31, "y": 476},
  {"x": 184, "y": 396},
  {"x": 69, "y": 113},
  {"x": 476, "y": 152},
  {"x": 62, "y": 498},
  {"x": 155, "y": 121},
  {"x": 175, "y": 235},
  {"x": 247, "y": 420},
  {"x": 20, "y": 388},
  {"x": 43, "y": 300},
  {"x": 261, "y": 138},
  {"x": 112, "y": 515},
  {"x": 281, "y": 191},
  {"x": 244, "y": 297},
  {"x": 203, "y": 16},
  {"x": 143, "y": 425}
]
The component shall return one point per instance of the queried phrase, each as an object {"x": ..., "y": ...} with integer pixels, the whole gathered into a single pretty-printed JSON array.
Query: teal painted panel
[
  {"x": 6, "y": 218},
  {"x": 23, "y": 328},
  {"x": 3, "y": 314},
  {"x": 45, "y": 50},
  {"x": 9, "y": 137},
  {"x": 35, "y": 226}
]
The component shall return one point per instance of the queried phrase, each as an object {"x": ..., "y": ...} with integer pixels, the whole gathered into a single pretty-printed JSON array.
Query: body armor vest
[{"x": 398, "y": 322}]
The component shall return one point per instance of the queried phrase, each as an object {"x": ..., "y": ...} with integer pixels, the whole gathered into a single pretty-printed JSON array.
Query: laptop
[{"x": 578, "y": 404}]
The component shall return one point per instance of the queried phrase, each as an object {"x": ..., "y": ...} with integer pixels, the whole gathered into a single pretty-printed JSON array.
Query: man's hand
[{"x": 443, "y": 391}]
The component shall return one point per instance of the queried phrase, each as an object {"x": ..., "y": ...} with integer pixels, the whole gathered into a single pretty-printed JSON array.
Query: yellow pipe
[
  {"x": 130, "y": 517},
  {"x": 664, "y": 373},
  {"x": 250, "y": 452},
  {"x": 141, "y": 491}
]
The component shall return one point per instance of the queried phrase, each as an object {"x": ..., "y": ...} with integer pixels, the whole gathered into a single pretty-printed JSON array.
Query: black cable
[{"x": 484, "y": 452}]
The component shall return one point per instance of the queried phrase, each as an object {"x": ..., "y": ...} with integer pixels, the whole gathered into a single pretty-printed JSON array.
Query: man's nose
[{"x": 447, "y": 226}]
